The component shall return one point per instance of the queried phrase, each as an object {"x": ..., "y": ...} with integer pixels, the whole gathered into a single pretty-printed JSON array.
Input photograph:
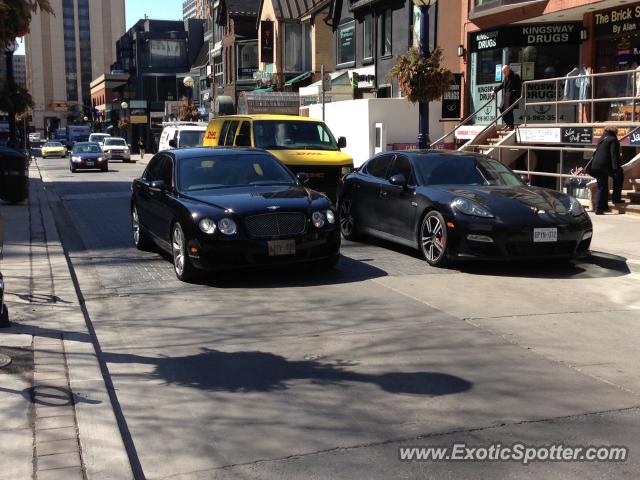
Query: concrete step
[
  {"x": 633, "y": 197},
  {"x": 635, "y": 182}
]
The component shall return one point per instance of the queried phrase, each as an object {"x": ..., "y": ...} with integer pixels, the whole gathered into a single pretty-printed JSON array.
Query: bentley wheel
[
  {"x": 433, "y": 239},
  {"x": 347, "y": 220},
  {"x": 185, "y": 271},
  {"x": 140, "y": 238}
]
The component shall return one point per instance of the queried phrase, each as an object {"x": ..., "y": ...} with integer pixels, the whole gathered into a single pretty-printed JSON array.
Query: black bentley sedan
[
  {"x": 215, "y": 209},
  {"x": 460, "y": 205},
  {"x": 88, "y": 155}
]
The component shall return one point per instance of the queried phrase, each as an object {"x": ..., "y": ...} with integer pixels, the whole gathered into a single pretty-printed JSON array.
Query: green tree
[{"x": 15, "y": 17}]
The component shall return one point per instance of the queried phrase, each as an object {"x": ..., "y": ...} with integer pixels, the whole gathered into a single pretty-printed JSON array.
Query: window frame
[
  {"x": 386, "y": 14},
  {"x": 371, "y": 41},
  {"x": 411, "y": 179},
  {"x": 349, "y": 63},
  {"x": 391, "y": 158}
]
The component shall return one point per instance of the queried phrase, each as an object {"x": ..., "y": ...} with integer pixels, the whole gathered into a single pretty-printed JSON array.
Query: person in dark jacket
[
  {"x": 511, "y": 87},
  {"x": 141, "y": 147},
  {"x": 606, "y": 163}
]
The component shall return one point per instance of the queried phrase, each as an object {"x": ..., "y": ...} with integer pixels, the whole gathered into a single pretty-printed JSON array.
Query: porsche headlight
[
  {"x": 575, "y": 207},
  {"x": 76, "y": 159},
  {"x": 207, "y": 225},
  {"x": 469, "y": 207},
  {"x": 318, "y": 219},
  {"x": 331, "y": 217},
  {"x": 227, "y": 226}
]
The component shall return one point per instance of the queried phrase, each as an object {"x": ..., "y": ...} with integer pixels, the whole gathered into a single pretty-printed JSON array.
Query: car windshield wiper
[{"x": 268, "y": 182}]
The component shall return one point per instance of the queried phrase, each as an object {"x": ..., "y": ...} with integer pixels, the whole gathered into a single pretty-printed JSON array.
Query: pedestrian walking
[
  {"x": 511, "y": 86},
  {"x": 606, "y": 163},
  {"x": 141, "y": 147}
]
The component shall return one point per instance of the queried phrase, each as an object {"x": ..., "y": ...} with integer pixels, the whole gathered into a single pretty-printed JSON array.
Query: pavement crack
[{"x": 635, "y": 408}]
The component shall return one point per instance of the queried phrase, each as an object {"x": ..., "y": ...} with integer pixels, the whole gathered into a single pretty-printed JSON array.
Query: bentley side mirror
[
  {"x": 399, "y": 180},
  {"x": 158, "y": 186},
  {"x": 302, "y": 178},
  {"x": 342, "y": 142}
]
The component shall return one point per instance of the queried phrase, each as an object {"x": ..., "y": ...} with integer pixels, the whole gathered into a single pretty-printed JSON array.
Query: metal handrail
[
  {"x": 462, "y": 123},
  {"x": 634, "y": 100}
]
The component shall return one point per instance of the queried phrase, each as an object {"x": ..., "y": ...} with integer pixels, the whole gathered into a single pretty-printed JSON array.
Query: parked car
[
  {"x": 53, "y": 149},
  {"x": 301, "y": 143},
  {"x": 87, "y": 155},
  {"x": 116, "y": 148},
  {"x": 460, "y": 205},
  {"x": 98, "y": 137},
  {"x": 181, "y": 135},
  {"x": 215, "y": 209},
  {"x": 4, "y": 317},
  {"x": 34, "y": 137}
]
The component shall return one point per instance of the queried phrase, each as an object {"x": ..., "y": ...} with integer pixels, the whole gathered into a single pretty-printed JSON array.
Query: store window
[
  {"x": 555, "y": 55},
  {"x": 297, "y": 47},
  {"x": 346, "y": 51},
  {"x": 386, "y": 32},
  {"x": 367, "y": 36}
]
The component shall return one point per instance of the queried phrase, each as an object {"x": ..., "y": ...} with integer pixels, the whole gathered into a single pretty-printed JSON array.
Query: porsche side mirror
[
  {"x": 158, "y": 186},
  {"x": 342, "y": 142},
  {"x": 399, "y": 180},
  {"x": 302, "y": 178},
  {"x": 173, "y": 143}
]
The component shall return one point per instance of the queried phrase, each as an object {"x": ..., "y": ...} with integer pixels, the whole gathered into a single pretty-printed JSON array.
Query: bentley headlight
[
  {"x": 575, "y": 207},
  {"x": 331, "y": 217},
  {"x": 207, "y": 225},
  {"x": 469, "y": 207},
  {"x": 318, "y": 219},
  {"x": 227, "y": 226}
]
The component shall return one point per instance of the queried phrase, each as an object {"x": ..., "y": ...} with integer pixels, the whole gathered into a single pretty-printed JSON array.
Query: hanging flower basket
[
  {"x": 189, "y": 113},
  {"x": 14, "y": 98},
  {"x": 422, "y": 79}
]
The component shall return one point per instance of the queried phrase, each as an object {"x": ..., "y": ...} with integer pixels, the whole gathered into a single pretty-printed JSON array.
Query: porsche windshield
[
  {"x": 202, "y": 173},
  {"x": 435, "y": 169},
  {"x": 292, "y": 135},
  {"x": 87, "y": 148}
]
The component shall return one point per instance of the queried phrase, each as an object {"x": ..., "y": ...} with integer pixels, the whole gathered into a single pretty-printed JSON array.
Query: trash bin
[{"x": 14, "y": 175}]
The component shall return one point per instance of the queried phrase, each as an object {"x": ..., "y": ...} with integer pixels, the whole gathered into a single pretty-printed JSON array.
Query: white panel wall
[{"x": 356, "y": 120}]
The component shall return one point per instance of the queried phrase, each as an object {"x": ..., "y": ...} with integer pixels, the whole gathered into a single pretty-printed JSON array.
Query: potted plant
[{"x": 422, "y": 79}]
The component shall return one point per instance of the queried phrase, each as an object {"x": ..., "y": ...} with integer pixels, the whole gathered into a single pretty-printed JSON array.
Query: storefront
[{"x": 535, "y": 51}]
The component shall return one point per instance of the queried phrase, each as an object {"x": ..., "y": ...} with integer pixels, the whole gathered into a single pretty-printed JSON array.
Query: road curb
[{"x": 102, "y": 447}]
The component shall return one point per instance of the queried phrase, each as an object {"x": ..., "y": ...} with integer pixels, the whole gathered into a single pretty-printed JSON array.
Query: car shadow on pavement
[
  {"x": 243, "y": 372},
  {"x": 597, "y": 265}
]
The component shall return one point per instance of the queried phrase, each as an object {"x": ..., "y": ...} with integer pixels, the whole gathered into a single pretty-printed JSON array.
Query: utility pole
[{"x": 322, "y": 88}]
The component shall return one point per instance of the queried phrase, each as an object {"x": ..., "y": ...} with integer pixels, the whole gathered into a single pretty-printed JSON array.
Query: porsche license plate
[
  {"x": 545, "y": 235},
  {"x": 90, "y": 164},
  {"x": 281, "y": 247}
]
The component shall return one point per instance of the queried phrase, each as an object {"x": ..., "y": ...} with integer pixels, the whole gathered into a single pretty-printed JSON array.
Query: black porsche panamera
[
  {"x": 460, "y": 205},
  {"x": 215, "y": 209}
]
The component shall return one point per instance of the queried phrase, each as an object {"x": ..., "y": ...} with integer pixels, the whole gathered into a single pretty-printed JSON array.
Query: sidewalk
[
  {"x": 57, "y": 418},
  {"x": 617, "y": 235}
]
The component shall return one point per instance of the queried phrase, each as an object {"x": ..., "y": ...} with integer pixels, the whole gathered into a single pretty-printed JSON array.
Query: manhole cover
[{"x": 4, "y": 360}]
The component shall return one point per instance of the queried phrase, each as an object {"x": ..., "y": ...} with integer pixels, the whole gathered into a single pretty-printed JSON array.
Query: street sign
[{"x": 326, "y": 82}]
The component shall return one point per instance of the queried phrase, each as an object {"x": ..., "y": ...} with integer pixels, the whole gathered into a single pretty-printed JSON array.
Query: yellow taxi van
[{"x": 303, "y": 144}]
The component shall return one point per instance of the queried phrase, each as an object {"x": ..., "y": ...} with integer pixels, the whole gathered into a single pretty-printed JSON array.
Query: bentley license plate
[
  {"x": 545, "y": 235},
  {"x": 281, "y": 247}
]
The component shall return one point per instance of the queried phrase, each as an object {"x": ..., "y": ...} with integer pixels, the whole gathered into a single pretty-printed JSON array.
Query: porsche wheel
[{"x": 433, "y": 239}]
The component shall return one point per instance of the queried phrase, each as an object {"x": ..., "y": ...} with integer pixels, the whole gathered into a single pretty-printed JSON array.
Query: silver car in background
[{"x": 116, "y": 148}]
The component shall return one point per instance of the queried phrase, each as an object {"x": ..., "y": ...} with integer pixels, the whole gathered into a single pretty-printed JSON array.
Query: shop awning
[
  {"x": 299, "y": 79},
  {"x": 266, "y": 88}
]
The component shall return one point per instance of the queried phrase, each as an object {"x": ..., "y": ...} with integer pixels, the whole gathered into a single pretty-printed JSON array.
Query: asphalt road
[{"x": 288, "y": 374}]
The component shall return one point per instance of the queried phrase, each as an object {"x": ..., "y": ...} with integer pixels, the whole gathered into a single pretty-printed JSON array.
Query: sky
[{"x": 136, "y": 9}]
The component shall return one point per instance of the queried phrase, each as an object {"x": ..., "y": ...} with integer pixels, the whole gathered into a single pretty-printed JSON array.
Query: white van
[
  {"x": 181, "y": 135},
  {"x": 98, "y": 137}
]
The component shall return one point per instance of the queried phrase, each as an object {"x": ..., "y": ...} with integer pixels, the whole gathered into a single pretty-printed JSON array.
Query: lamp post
[
  {"x": 423, "y": 116},
  {"x": 11, "y": 47},
  {"x": 124, "y": 106}
]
